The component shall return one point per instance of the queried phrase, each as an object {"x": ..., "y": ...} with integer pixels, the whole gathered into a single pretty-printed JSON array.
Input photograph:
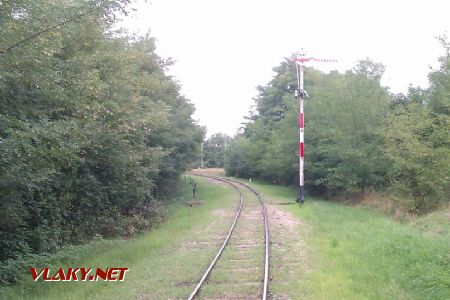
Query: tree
[
  {"x": 418, "y": 142},
  {"x": 440, "y": 83},
  {"x": 418, "y": 146},
  {"x": 344, "y": 117},
  {"x": 214, "y": 150},
  {"x": 93, "y": 133}
]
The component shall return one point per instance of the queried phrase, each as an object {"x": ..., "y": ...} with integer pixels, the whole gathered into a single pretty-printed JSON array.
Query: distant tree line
[
  {"x": 359, "y": 137},
  {"x": 214, "y": 150},
  {"x": 93, "y": 133}
]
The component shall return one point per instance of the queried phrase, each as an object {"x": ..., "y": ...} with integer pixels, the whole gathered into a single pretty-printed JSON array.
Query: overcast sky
[{"x": 224, "y": 49}]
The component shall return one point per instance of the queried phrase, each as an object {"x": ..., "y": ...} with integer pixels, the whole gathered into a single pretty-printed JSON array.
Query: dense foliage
[
  {"x": 93, "y": 133},
  {"x": 358, "y": 136},
  {"x": 214, "y": 150}
]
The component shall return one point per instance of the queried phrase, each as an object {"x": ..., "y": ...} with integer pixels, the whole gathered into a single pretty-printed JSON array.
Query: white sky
[{"x": 224, "y": 48}]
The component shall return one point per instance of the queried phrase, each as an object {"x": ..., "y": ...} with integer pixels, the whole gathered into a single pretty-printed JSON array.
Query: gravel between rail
[{"x": 241, "y": 270}]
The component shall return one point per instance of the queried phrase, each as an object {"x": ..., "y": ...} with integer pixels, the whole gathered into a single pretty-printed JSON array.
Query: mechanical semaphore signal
[{"x": 300, "y": 94}]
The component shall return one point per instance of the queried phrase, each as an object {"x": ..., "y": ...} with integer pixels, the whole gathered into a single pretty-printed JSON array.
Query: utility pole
[{"x": 300, "y": 94}]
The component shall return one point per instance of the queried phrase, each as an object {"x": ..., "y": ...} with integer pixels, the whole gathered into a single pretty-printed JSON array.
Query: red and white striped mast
[{"x": 300, "y": 93}]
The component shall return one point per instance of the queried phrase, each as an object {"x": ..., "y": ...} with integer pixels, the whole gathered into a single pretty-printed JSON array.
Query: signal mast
[{"x": 300, "y": 94}]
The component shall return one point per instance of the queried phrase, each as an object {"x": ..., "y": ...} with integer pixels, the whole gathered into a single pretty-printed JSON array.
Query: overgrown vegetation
[
  {"x": 93, "y": 133},
  {"x": 214, "y": 150},
  {"x": 359, "y": 136},
  {"x": 357, "y": 253},
  {"x": 165, "y": 263}
]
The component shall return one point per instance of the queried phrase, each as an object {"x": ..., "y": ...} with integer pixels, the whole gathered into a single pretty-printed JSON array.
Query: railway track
[{"x": 247, "y": 214}]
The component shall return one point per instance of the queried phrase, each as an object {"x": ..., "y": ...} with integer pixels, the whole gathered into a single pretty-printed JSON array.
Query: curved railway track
[{"x": 235, "y": 184}]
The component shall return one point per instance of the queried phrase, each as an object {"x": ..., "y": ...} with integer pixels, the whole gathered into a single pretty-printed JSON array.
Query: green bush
[{"x": 93, "y": 133}]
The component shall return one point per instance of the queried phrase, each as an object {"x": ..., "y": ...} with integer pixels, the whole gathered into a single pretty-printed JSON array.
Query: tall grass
[
  {"x": 157, "y": 260},
  {"x": 358, "y": 253}
]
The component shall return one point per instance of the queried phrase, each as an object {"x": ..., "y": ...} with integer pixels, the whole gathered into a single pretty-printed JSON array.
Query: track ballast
[{"x": 210, "y": 269}]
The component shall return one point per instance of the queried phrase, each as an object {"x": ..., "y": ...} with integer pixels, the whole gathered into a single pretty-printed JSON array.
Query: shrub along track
[{"x": 238, "y": 274}]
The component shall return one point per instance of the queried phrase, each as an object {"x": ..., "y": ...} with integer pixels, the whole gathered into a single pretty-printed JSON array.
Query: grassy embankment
[
  {"x": 357, "y": 253},
  {"x": 164, "y": 263},
  {"x": 354, "y": 253}
]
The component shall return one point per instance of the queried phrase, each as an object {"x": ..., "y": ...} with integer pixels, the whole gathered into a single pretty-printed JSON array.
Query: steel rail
[
  {"x": 266, "y": 237},
  {"x": 210, "y": 267}
]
